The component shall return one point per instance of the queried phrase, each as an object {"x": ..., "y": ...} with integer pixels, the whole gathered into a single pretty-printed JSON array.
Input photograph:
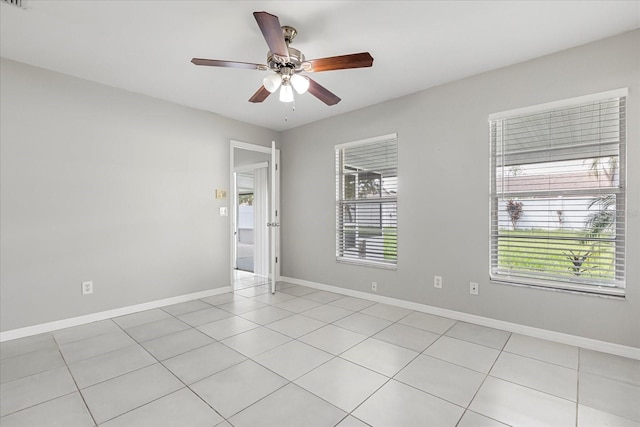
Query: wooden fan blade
[
  {"x": 230, "y": 64},
  {"x": 260, "y": 95},
  {"x": 322, "y": 93},
  {"x": 343, "y": 62},
  {"x": 270, "y": 26}
]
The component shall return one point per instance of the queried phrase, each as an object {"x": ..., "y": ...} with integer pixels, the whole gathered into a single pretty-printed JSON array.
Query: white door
[{"x": 274, "y": 223}]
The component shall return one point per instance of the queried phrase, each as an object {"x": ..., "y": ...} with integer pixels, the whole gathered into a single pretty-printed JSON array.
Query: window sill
[
  {"x": 365, "y": 263},
  {"x": 609, "y": 293}
]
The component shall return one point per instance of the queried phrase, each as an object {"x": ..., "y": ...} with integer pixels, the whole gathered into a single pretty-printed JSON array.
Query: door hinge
[{"x": 276, "y": 260}]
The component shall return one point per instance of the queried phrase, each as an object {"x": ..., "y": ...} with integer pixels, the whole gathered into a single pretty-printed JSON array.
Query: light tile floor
[
  {"x": 247, "y": 280},
  {"x": 305, "y": 357}
]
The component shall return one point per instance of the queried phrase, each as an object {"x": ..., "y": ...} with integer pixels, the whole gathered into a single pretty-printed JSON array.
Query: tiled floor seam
[
  {"x": 66, "y": 366},
  {"x": 84, "y": 402},
  {"x": 532, "y": 388},
  {"x": 208, "y": 376},
  {"x": 426, "y": 392},
  {"x": 4, "y": 359},
  {"x": 53, "y": 333},
  {"x": 578, "y": 387},
  {"x": 179, "y": 354},
  {"x": 186, "y": 312},
  {"x": 488, "y": 374},
  {"x": 369, "y": 397},
  {"x": 254, "y": 403},
  {"x": 40, "y": 403},
  {"x": 472, "y": 342},
  {"x": 133, "y": 409},
  {"x": 36, "y": 372},
  {"x": 539, "y": 360},
  {"x": 187, "y": 386}
]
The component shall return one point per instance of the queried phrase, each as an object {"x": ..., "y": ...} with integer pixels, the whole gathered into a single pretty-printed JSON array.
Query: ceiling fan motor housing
[{"x": 296, "y": 58}]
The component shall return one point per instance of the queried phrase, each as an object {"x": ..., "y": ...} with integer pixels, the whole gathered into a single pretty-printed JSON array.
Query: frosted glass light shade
[
  {"x": 286, "y": 93},
  {"x": 300, "y": 83},
  {"x": 272, "y": 82}
]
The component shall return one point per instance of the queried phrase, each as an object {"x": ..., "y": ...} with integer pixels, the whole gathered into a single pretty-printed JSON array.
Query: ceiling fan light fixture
[
  {"x": 272, "y": 82},
  {"x": 286, "y": 93},
  {"x": 300, "y": 83}
]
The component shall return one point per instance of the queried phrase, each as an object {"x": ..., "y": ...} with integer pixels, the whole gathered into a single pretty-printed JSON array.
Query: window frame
[
  {"x": 382, "y": 200},
  {"x": 495, "y": 197}
]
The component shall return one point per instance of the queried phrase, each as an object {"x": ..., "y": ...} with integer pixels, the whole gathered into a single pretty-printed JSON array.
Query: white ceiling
[{"x": 145, "y": 46}]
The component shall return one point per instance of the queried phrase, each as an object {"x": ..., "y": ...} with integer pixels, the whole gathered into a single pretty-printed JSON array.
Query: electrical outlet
[
  {"x": 437, "y": 281},
  {"x": 473, "y": 288},
  {"x": 87, "y": 288},
  {"x": 374, "y": 286}
]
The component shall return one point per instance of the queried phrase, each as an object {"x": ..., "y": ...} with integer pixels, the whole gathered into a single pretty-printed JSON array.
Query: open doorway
[
  {"x": 245, "y": 236},
  {"x": 250, "y": 208},
  {"x": 251, "y": 262}
]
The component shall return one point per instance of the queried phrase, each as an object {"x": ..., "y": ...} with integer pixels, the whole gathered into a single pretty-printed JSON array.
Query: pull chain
[{"x": 293, "y": 109}]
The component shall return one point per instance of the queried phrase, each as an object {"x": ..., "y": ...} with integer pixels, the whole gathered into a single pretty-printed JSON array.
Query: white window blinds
[
  {"x": 558, "y": 195},
  {"x": 366, "y": 201}
]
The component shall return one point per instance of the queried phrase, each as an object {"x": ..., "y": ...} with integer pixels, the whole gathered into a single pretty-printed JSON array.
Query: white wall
[
  {"x": 443, "y": 205},
  {"x": 106, "y": 185}
]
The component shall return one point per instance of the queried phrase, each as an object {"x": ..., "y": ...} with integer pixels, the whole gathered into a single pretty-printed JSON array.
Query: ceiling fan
[{"x": 288, "y": 63}]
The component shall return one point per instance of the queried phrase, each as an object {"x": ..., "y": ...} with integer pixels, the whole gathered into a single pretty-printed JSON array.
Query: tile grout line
[
  {"x": 487, "y": 376},
  {"x": 79, "y": 391},
  {"x": 578, "y": 385},
  {"x": 159, "y": 362}
]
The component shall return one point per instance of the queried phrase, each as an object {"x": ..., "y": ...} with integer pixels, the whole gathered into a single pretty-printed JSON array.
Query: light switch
[
  {"x": 223, "y": 211},
  {"x": 221, "y": 194}
]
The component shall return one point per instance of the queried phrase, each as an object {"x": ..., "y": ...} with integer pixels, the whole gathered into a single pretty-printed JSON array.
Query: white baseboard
[
  {"x": 588, "y": 343},
  {"x": 102, "y": 315}
]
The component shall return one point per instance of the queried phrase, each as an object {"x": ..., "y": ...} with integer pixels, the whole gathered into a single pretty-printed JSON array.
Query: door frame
[{"x": 233, "y": 202}]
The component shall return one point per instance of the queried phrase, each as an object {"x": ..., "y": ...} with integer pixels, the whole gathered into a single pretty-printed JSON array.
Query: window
[
  {"x": 558, "y": 194},
  {"x": 366, "y": 202}
]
